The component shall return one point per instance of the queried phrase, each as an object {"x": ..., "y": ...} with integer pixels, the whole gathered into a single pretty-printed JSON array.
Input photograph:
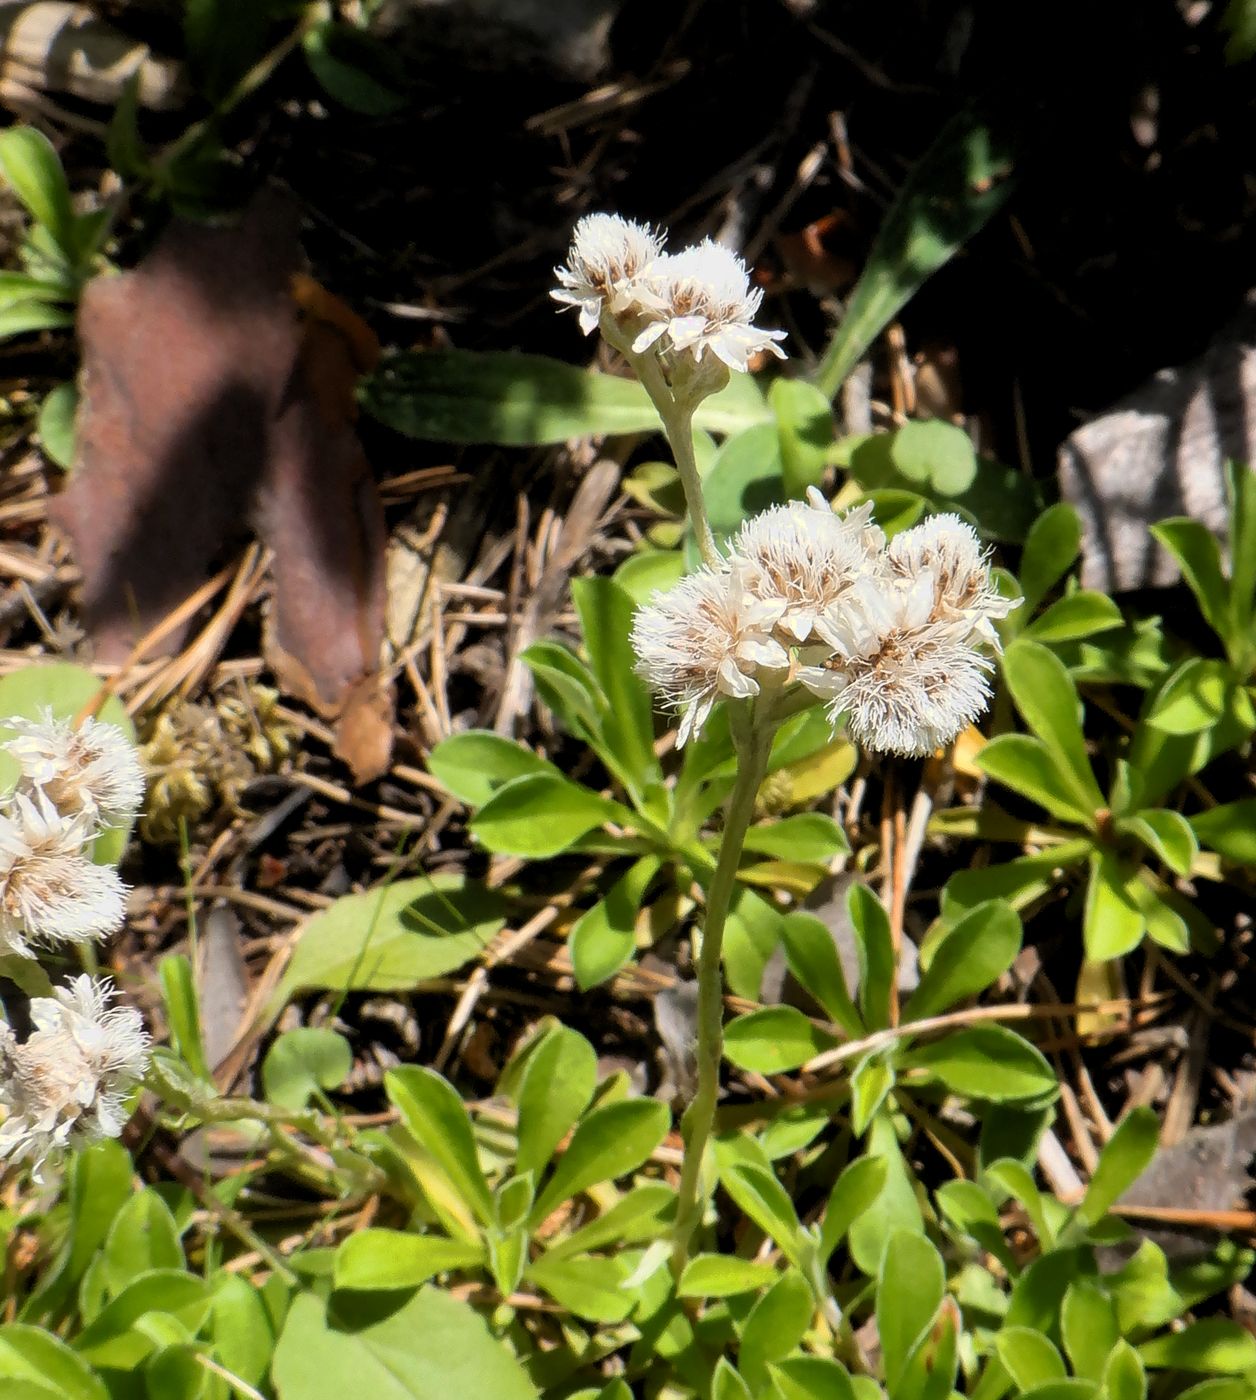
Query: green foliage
[
  {"x": 1127, "y": 836},
  {"x": 934, "y": 463},
  {"x": 957, "y": 185},
  {"x": 649, "y": 832},
  {"x": 518, "y": 400},
  {"x": 391, "y": 939}
]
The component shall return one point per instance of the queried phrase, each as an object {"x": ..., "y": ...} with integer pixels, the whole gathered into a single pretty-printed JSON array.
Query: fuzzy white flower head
[
  {"x": 66, "y": 1085},
  {"x": 807, "y": 557},
  {"x": 50, "y": 891},
  {"x": 707, "y": 637},
  {"x": 950, "y": 550},
  {"x": 606, "y": 266},
  {"x": 91, "y": 770},
  {"x": 706, "y": 302},
  {"x": 905, "y": 682}
]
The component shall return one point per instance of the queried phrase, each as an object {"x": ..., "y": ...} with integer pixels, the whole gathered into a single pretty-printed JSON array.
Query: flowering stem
[
  {"x": 677, "y": 416},
  {"x": 753, "y": 742}
]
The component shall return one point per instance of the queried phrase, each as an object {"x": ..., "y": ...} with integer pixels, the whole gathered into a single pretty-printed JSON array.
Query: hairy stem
[
  {"x": 677, "y": 419},
  {"x": 753, "y": 743}
]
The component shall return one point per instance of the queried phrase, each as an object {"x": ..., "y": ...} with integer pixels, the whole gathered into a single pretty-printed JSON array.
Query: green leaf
[
  {"x": 804, "y": 425},
  {"x": 1124, "y": 1158},
  {"x": 606, "y": 613},
  {"x": 432, "y": 1111},
  {"x": 1195, "y": 548},
  {"x": 813, "y": 960},
  {"x": 809, "y": 837},
  {"x": 393, "y": 1259},
  {"x": 590, "y": 1287},
  {"x": 143, "y": 1237},
  {"x": 1113, "y": 922},
  {"x": 1047, "y": 699},
  {"x": 957, "y": 185},
  {"x": 773, "y": 1040},
  {"x": 56, "y": 424},
  {"x": 870, "y": 1084},
  {"x": 29, "y": 164},
  {"x": 1071, "y": 1389},
  {"x": 302, "y": 1062},
  {"x": 431, "y": 1347},
  {"x": 984, "y": 1062},
  {"x": 648, "y": 572},
  {"x": 775, "y": 1326},
  {"x": 1016, "y": 1180},
  {"x": 603, "y": 939},
  {"x": 936, "y": 464},
  {"x": 1029, "y": 1357},
  {"x": 745, "y": 478},
  {"x": 1080, "y": 614},
  {"x": 99, "y": 1187},
  {"x": 1215, "y": 1346},
  {"x": 977, "y": 951},
  {"x": 723, "y": 1276},
  {"x": 539, "y": 815},
  {"x": 726, "y": 1384},
  {"x": 1051, "y": 546},
  {"x": 392, "y": 939},
  {"x": 1167, "y": 834},
  {"x": 1217, "y": 1390},
  {"x": 465, "y": 396},
  {"x": 751, "y": 935},
  {"x": 876, "y": 954},
  {"x": 1123, "y": 1375},
  {"x": 1230, "y": 830},
  {"x": 567, "y": 686},
  {"x": 557, "y": 1085},
  {"x": 1019, "y": 882},
  {"x": 183, "y": 1011},
  {"x": 1088, "y": 1327},
  {"x": 243, "y": 1329},
  {"x": 1241, "y": 499},
  {"x": 611, "y": 1142},
  {"x": 224, "y": 39},
  {"x": 896, "y": 1208},
  {"x": 473, "y": 765},
  {"x": 1195, "y": 697},
  {"x": 1026, "y": 765},
  {"x": 737, "y": 406},
  {"x": 109, "y": 1339},
  {"x": 859, "y": 1185},
  {"x": 762, "y": 1197},
  {"x": 644, "y": 1213},
  {"x": 354, "y": 68},
  {"x": 31, "y": 1354},
  {"x": 910, "y": 1285},
  {"x": 811, "y": 1378}
]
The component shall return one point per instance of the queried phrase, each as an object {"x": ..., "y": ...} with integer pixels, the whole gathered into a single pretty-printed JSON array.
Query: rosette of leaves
[
  {"x": 647, "y": 824},
  {"x": 1125, "y": 830}
]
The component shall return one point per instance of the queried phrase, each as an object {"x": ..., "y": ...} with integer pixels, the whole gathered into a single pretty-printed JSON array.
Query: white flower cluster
[
  {"x": 64, "y": 1085},
  {"x": 682, "y": 304},
  {"x": 896, "y": 637}
]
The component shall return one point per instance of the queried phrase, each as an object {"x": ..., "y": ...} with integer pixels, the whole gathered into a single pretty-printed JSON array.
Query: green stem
[
  {"x": 753, "y": 743},
  {"x": 677, "y": 419}
]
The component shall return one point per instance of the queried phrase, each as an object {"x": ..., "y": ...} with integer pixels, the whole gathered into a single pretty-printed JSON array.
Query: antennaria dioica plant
[{"x": 799, "y": 606}]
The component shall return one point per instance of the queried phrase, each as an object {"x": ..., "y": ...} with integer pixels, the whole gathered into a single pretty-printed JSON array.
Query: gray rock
[
  {"x": 567, "y": 37},
  {"x": 1162, "y": 452}
]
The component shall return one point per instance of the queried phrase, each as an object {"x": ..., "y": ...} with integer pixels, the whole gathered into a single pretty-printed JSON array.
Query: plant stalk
[
  {"x": 753, "y": 743},
  {"x": 677, "y": 417}
]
